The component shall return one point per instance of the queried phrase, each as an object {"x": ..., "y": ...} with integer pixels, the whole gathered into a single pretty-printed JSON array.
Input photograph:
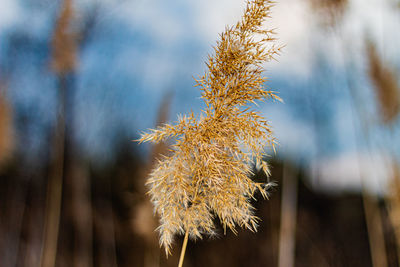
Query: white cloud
[
  {"x": 296, "y": 138},
  {"x": 212, "y": 16},
  {"x": 290, "y": 17},
  {"x": 294, "y": 23},
  {"x": 9, "y": 12},
  {"x": 349, "y": 171},
  {"x": 379, "y": 20},
  {"x": 156, "y": 18}
]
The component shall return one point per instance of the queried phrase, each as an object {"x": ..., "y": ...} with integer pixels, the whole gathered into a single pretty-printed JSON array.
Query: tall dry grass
[
  {"x": 144, "y": 221},
  {"x": 394, "y": 201},
  {"x": 64, "y": 41},
  {"x": 7, "y": 141},
  {"x": 385, "y": 83},
  {"x": 331, "y": 11},
  {"x": 207, "y": 174},
  {"x": 387, "y": 91},
  {"x": 64, "y": 47}
]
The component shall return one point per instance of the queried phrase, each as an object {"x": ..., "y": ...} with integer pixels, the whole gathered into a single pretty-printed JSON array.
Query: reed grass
[
  {"x": 331, "y": 11},
  {"x": 145, "y": 222},
  {"x": 64, "y": 42},
  {"x": 63, "y": 63},
  {"x": 7, "y": 141},
  {"x": 208, "y": 172},
  {"x": 385, "y": 84},
  {"x": 394, "y": 202}
]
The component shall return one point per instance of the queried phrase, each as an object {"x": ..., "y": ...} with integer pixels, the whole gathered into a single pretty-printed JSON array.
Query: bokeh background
[{"x": 81, "y": 79}]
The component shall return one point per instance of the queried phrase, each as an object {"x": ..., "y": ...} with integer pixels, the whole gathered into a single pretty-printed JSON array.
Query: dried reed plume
[
  {"x": 6, "y": 129},
  {"x": 64, "y": 41},
  {"x": 385, "y": 85},
  {"x": 207, "y": 174},
  {"x": 331, "y": 11}
]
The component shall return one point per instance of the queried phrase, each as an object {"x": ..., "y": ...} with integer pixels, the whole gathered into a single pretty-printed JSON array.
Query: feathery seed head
[
  {"x": 64, "y": 43},
  {"x": 207, "y": 175}
]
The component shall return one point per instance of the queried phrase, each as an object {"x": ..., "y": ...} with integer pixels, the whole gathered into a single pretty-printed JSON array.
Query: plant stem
[
  {"x": 55, "y": 184},
  {"x": 183, "y": 249},
  {"x": 287, "y": 236}
]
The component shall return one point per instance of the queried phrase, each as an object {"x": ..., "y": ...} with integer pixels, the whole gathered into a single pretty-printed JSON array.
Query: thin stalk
[
  {"x": 373, "y": 217},
  {"x": 54, "y": 188},
  {"x": 183, "y": 249},
  {"x": 287, "y": 236},
  {"x": 376, "y": 238}
]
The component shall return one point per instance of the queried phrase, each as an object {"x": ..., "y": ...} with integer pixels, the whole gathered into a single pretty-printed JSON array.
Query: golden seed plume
[
  {"x": 64, "y": 42},
  {"x": 385, "y": 85},
  {"x": 207, "y": 173}
]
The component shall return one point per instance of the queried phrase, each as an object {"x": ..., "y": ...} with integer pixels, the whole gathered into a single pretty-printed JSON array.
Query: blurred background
[{"x": 81, "y": 79}]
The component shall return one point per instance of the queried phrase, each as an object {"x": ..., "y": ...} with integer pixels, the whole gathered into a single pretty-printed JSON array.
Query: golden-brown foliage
[
  {"x": 64, "y": 41},
  {"x": 6, "y": 129},
  {"x": 385, "y": 85},
  {"x": 207, "y": 174}
]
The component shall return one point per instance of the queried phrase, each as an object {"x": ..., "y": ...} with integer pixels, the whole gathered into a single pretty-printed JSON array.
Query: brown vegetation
[
  {"x": 6, "y": 129},
  {"x": 64, "y": 42},
  {"x": 385, "y": 85}
]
